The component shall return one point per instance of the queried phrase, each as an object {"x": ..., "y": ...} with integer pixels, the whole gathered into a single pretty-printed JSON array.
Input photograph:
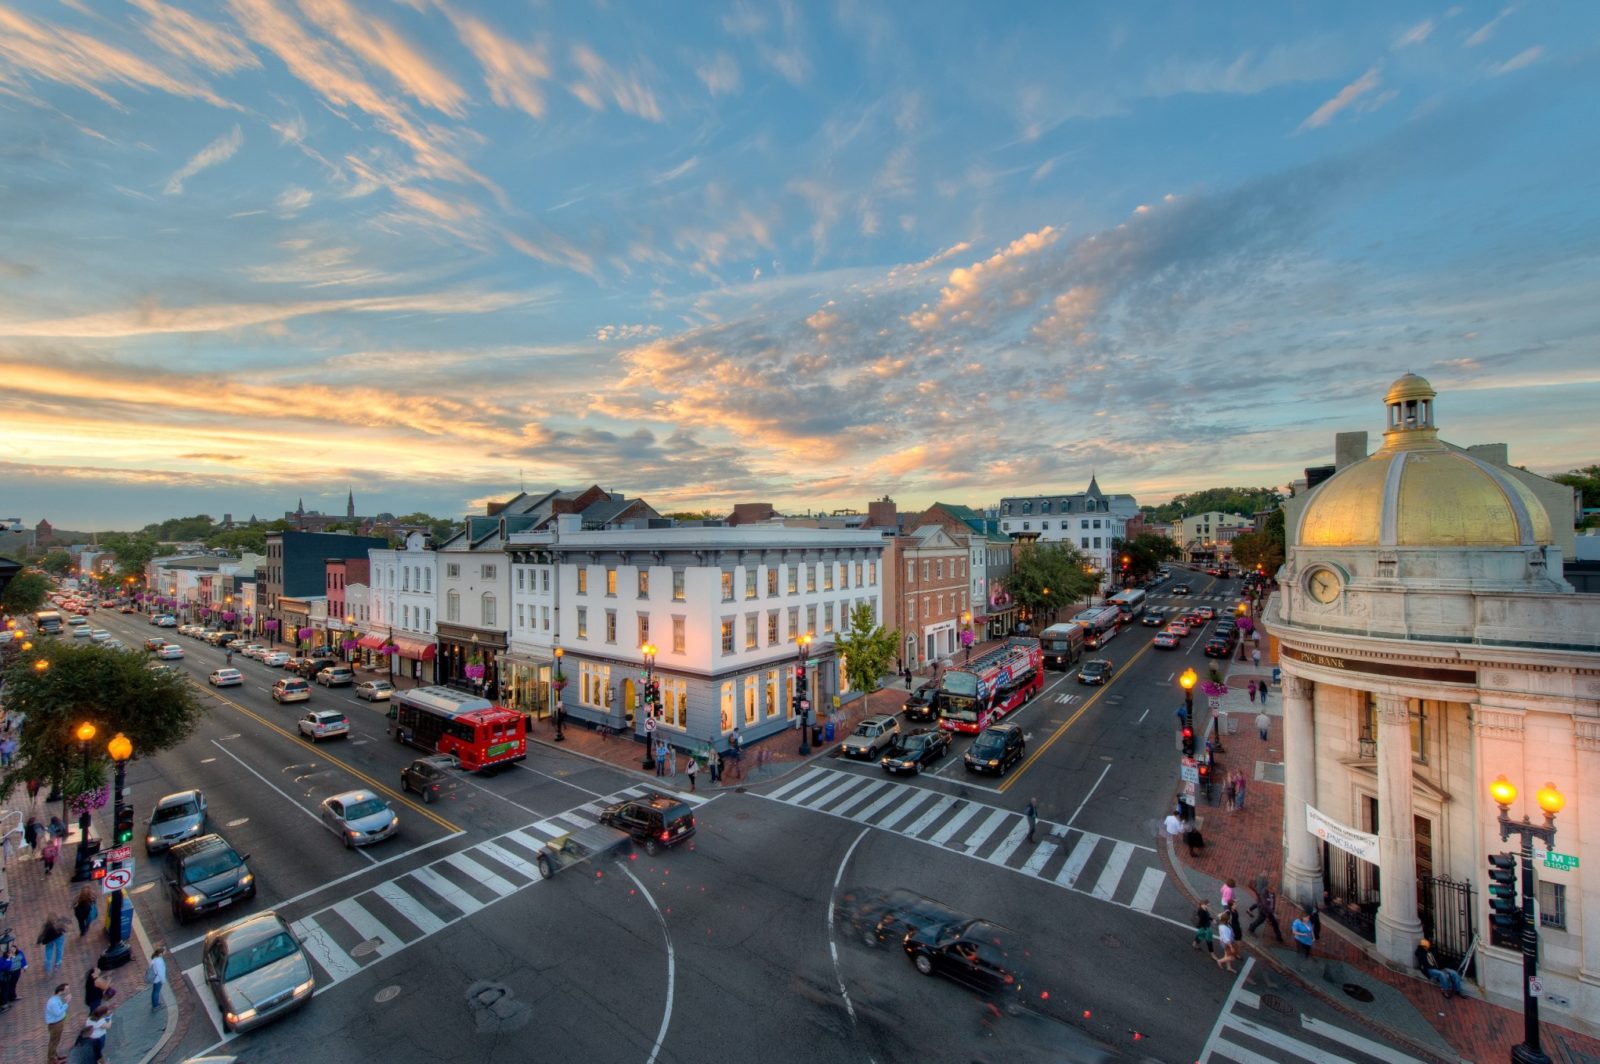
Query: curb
[
  {"x": 170, "y": 1019},
  {"x": 775, "y": 775}
]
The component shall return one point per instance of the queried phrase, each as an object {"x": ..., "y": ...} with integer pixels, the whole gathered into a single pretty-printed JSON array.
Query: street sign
[
  {"x": 117, "y": 880},
  {"x": 1561, "y": 862},
  {"x": 1190, "y": 773},
  {"x": 119, "y": 853},
  {"x": 1214, "y": 703},
  {"x": 1535, "y": 987}
]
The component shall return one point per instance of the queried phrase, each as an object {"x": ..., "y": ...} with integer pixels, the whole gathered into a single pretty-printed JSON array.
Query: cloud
[
  {"x": 1341, "y": 100},
  {"x": 214, "y": 154},
  {"x": 293, "y": 200},
  {"x": 1482, "y": 34},
  {"x": 608, "y": 333},
  {"x": 964, "y": 290},
  {"x": 1524, "y": 58},
  {"x": 188, "y": 37},
  {"x": 1416, "y": 34},
  {"x": 719, "y": 74},
  {"x": 513, "y": 72},
  {"x": 1247, "y": 73},
  {"x": 600, "y": 82},
  {"x": 384, "y": 48}
]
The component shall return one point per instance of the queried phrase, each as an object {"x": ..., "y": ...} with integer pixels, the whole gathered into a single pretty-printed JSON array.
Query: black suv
[
  {"x": 997, "y": 748},
  {"x": 206, "y": 874},
  {"x": 919, "y": 703},
  {"x": 309, "y": 668},
  {"x": 655, "y": 820}
]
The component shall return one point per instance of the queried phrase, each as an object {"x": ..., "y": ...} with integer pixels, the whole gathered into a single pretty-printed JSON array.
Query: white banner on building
[{"x": 1345, "y": 838}]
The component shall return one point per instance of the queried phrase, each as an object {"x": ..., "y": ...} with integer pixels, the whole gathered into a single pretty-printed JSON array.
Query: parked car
[
  {"x": 127, "y": 609},
  {"x": 256, "y": 970},
  {"x": 204, "y": 875},
  {"x": 275, "y": 659},
  {"x": 375, "y": 690},
  {"x": 359, "y": 817},
  {"x": 1165, "y": 641},
  {"x": 1096, "y": 671},
  {"x": 872, "y": 737},
  {"x": 322, "y": 724},
  {"x": 294, "y": 663},
  {"x": 337, "y": 676},
  {"x": 654, "y": 820},
  {"x": 225, "y": 678},
  {"x": 916, "y": 750},
  {"x": 175, "y": 818},
  {"x": 238, "y": 643},
  {"x": 170, "y": 651},
  {"x": 114, "y": 644},
  {"x": 311, "y": 666},
  {"x": 221, "y": 637},
  {"x": 1218, "y": 647},
  {"x": 997, "y": 748},
  {"x": 919, "y": 703},
  {"x": 291, "y": 689},
  {"x": 431, "y": 776}
]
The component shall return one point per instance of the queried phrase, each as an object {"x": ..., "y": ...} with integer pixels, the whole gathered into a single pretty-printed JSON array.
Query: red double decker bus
[
  {"x": 473, "y": 730},
  {"x": 985, "y": 689}
]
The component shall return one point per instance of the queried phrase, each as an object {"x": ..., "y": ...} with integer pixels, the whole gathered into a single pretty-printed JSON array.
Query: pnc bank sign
[{"x": 1362, "y": 666}]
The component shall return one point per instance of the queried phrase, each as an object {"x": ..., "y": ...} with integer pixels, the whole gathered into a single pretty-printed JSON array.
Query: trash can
[
  {"x": 827, "y": 732},
  {"x": 816, "y": 735}
]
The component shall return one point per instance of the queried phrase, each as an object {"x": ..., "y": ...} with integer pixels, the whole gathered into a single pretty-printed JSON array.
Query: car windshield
[
  {"x": 915, "y": 743},
  {"x": 212, "y": 863},
  {"x": 258, "y": 956},
  {"x": 366, "y": 808},
  {"x": 989, "y": 743},
  {"x": 176, "y": 811}
]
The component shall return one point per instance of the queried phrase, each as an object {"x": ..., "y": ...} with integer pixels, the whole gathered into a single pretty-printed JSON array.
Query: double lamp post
[
  {"x": 1551, "y": 802},
  {"x": 120, "y": 749}
]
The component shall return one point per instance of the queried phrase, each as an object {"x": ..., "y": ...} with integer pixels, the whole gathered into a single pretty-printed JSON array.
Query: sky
[{"x": 434, "y": 252}]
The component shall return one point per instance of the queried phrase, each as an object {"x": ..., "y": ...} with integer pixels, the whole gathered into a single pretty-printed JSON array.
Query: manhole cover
[
  {"x": 362, "y": 949},
  {"x": 1360, "y": 993},
  {"x": 388, "y": 993},
  {"x": 1111, "y": 941},
  {"x": 1277, "y": 1004}
]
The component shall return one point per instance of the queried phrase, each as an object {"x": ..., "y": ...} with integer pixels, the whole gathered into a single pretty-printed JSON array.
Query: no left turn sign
[{"x": 117, "y": 879}]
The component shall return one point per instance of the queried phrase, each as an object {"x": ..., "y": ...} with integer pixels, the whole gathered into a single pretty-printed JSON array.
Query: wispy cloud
[
  {"x": 385, "y": 48},
  {"x": 719, "y": 74},
  {"x": 514, "y": 73},
  {"x": 601, "y": 83},
  {"x": 189, "y": 37},
  {"x": 1524, "y": 58},
  {"x": 1342, "y": 99},
  {"x": 214, "y": 154},
  {"x": 1416, "y": 34},
  {"x": 1484, "y": 32}
]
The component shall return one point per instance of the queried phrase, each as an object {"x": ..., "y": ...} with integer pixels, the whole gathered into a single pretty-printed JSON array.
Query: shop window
[
  {"x": 727, "y": 706},
  {"x": 772, "y": 693},
  {"x": 750, "y": 703}
]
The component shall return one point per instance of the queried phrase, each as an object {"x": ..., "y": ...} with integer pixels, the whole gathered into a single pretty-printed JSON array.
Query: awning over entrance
[
  {"x": 415, "y": 649},
  {"x": 371, "y": 642},
  {"x": 525, "y": 660}
]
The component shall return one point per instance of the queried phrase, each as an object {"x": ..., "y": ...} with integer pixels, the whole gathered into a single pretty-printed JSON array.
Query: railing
[
  {"x": 1446, "y": 913},
  {"x": 1350, "y": 891}
]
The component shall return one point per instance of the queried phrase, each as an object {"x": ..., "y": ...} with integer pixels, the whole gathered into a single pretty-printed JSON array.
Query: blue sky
[{"x": 809, "y": 254}]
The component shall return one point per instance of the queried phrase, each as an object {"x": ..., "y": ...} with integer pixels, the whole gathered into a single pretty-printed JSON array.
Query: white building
[
  {"x": 1429, "y": 644},
  {"x": 401, "y": 607},
  {"x": 722, "y": 606},
  {"x": 1089, "y": 520},
  {"x": 1209, "y": 535}
]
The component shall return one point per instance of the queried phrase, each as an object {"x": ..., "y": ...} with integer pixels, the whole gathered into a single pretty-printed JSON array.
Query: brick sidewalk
[{"x": 1240, "y": 844}]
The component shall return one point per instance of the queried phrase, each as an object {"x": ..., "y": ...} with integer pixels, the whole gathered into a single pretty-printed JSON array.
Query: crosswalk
[
  {"x": 1122, "y": 873},
  {"x": 1244, "y": 1035},
  {"x": 343, "y": 938}
]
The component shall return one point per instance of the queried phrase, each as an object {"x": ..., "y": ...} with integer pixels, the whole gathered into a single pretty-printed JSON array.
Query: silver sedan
[{"x": 359, "y": 817}]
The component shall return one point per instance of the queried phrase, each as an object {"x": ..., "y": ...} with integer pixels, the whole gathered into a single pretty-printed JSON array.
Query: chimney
[
  {"x": 882, "y": 513},
  {"x": 1349, "y": 448},
  {"x": 568, "y": 523},
  {"x": 1491, "y": 452}
]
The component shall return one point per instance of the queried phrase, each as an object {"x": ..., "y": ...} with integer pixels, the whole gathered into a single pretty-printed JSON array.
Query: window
[
  {"x": 750, "y": 701},
  {"x": 727, "y": 586},
  {"x": 489, "y": 611},
  {"x": 544, "y": 582},
  {"x": 644, "y": 628},
  {"x": 545, "y": 612},
  {"x": 583, "y": 579},
  {"x": 1044, "y": 526},
  {"x": 927, "y": 567},
  {"x": 794, "y": 623},
  {"x": 1097, "y": 541},
  {"x": 752, "y": 623},
  {"x": 827, "y": 617},
  {"x": 911, "y": 572},
  {"x": 583, "y": 622},
  {"x": 427, "y": 618},
  {"x": 1084, "y": 542},
  {"x": 727, "y": 635},
  {"x": 772, "y": 628},
  {"x": 938, "y": 569},
  {"x": 452, "y": 569},
  {"x": 1044, "y": 507},
  {"x": 727, "y": 706},
  {"x": 594, "y": 685},
  {"x": 811, "y": 618},
  {"x": 1025, "y": 526},
  {"x": 406, "y": 574},
  {"x": 675, "y": 702},
  {"x": 1083, "y": 523},
  {"x": 452, "y": 605},
  {"x": 489, "y": 571},
  {"x": 611, "y": 582},
  {"x": 677, "y": 635},
  {"x": 772, "y": 581},
  {"x": 772, "y": 693},
  {"x": 1552, "y": 905},
  {"x": 677, "y": 585},
  {"x": 827, "y": 575},
  {"x": 858, "y": 574},
  {"x": 750, "y": 582},
  {"x": 644, "y": 583},
  {"x": 811, "y": 579},
  {"x": 521, "y": 576},
  {"x": 611, "y": 626},
  {"x": 788, "y": 694},
  {"x": 1027, "y": 507},
  {"x": 911, "y": 609},
  {"x": 794, "y": 579},
  {"x": 427, "y": 580},
  {"x": 872, "y": 574},
  {"x": 521, "y": 623}
]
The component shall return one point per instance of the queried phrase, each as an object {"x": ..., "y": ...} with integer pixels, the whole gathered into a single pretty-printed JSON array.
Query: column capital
[
  {"x": 1298, "y": 687},
  {"x": 1502, "y": 722},
  {"x": 1392, "y": 709}
]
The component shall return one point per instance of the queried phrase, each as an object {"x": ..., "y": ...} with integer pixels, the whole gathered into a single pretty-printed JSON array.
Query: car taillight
[{"x": 666, "y": 835}]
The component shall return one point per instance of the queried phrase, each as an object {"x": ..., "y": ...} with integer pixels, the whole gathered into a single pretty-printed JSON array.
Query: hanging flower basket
[
  {"x": 246, "y": 619},
  {"x": 388, "y": 650},
  {"x": 1214, "y": 690},
  {"x": 229, "y": 616},
  {"x": 303, "y": 634},
  {"x": 560, "y": 681},
  {"x": 349, "y": 644},
  {"x": 474, "y": 672},
  {"x": 205, "y": 611},
  {"x": 271, "y": 624},
  {"x": 89, "y": 801}
]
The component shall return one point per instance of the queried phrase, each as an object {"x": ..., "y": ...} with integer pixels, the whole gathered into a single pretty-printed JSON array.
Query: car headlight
[
  {"x": 993, "y": 763},
  {"x": 247, "y": 879},
  {"x": 148, "y": 839},
  {"x": 192, "y": 896},
  {"x": 241, "y": 1017},
  {"x": 305, "y": 988}
]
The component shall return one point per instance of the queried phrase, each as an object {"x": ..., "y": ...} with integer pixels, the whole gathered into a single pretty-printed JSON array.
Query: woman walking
[
  {"x": 49, "y": 852},
  {"x": 96, "y": 988},
  {"x": 1202, "y": 927},
  {"x": 1225, "y": 939},
  {"x": 83, "y": 909},
  {"x": 53, "y": 937}
]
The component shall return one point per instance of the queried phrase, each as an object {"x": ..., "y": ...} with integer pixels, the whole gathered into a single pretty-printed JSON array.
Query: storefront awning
[
  {"x": 371, "y": 642},
  {"x": 415, "y": 649},
  {"x": 528, "y": 660}
]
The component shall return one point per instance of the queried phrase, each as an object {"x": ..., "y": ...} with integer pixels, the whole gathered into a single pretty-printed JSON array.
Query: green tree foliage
[
  {"x": 132, "y": 552},
  {"x": 57, "y": 562},
  {"x": 438, "y": 527},
  {"x": 174, "y": 529},
  {"x": 1264, "y": 549},
  {"x": 1142, "y": 555},
  {"x": 26, "y": 592},
  {"x": 111, "y": 689},
  {"x": 250, "y": 539},
  {"x": 1587, "y": 481},
  {"x": 868, "y": 649},
  {"x": 692, "y": 515},
  {"x": 1222, "y": 500},
  {"x": 1047, "y": 577}
]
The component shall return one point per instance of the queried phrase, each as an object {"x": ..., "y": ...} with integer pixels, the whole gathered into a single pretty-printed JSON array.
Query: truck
[
  {"x": 1062, "y": 645},
  {"x": 47, "y": 622}
]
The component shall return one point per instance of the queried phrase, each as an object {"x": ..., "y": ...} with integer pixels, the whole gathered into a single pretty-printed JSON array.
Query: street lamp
[
  {"x": 1550, "y": 800},
  {"x": 1187, "y": 682},
  {"x": 117, "y": 954},
  {"x": 80, "y": 866},
  {"x": 648, "y": 651},
  {"x": 800, "y": 692},
  {"x": 555, "y": 695}
]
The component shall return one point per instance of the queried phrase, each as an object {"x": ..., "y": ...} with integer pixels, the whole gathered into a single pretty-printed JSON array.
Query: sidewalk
[
  {"x": 138, "y": 1033},
  {"x": 1239, "y": 844}
]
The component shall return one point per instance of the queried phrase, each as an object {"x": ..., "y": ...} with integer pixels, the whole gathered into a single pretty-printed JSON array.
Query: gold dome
[{"x": 1418, "y": 492}]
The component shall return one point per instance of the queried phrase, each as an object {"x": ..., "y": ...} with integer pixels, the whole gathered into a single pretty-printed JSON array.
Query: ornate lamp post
[
  {"x": 648, "y": 651},
  {"x": 557, "y": 681},
  {"x": 117, "y": 954},
  {"x": 1187, "y": 682},
  {"x": 1551, "y": 801},
  {"x": 85, "y": 733},
  {"x": 803, "y": 644},
  {"x": 967, "y": 638}
]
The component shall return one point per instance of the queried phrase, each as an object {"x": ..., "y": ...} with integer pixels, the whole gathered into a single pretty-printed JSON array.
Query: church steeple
[
  {"x": 350, "y": 505},
  {"x": 1094, "y": 491},
  {"x": 301, "y": 509}
]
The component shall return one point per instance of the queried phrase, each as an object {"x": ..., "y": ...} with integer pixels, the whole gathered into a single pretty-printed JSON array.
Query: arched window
[{"x": 488, "y": 609}]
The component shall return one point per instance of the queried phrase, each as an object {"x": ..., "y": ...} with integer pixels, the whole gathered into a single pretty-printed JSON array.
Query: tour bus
[
  {"x": 47, "y": 622},
  {"x": 977, "y": 694},
  {"x": 473, "y": 730},
  {"x": 1062, "y": 645},
  {"x": 1129, "y": 603},
  {"x": 1100, "y": 625}
]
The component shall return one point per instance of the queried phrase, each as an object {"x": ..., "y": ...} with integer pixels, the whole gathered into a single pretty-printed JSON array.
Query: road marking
[
  {"x": 946, "y": 833},
  {"x": 452, "y": 894},
  {"x": 1009, "y": 844},
  {"x": 1086, "y": 797},
  {"x": 878, "y": 789},
  {"x": 509, "y": 859},
  {"x": 409, "y": 907},
  {"x": 672, "y": 965},
  {"x": 368, "y": 927},
  {"x": 1041, "y": 854},
  {"x": 1144, "y": 899},
  {"x": 1349, "y": 1038},
  {"x": 872, "y": 810},
  {"x": 1111, "y": 874},
  {"x": 324, "y": 950},
  {"x": 825, "y": 780},
  {"x": 792, "y": 785},
  {"x": 480, "y": 874},
  {"x": 1227, "y": 1007},
  {"x": 1068, "y": 875},
  {"x": 1279, "y": 1040}
]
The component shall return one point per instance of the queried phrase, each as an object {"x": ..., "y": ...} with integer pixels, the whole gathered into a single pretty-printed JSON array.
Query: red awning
[
  {"x": 415, "y": 649},
  {"x": 371, "y": 642}
]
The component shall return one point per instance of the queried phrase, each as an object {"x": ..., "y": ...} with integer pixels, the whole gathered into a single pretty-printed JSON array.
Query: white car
[
  {"x": 81, "y": 631},
  {"x": 165, "y": 620},
  {"x": 375, "y": 690},
  {"x": 115, "y": 644},
  {"x": 322, "y": 724},
  {"x": 171, "y": 650},
  {"x": 275, "y": 658},
  {"x": 99, "y": 635},
  {"x": 359, "y": 817},
  {"x": 226, "y": 678},
  {"x": 254, "y": 650}
]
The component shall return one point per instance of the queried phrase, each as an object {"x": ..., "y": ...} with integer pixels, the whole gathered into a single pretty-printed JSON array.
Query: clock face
[{"x": 1323, "y": 585}]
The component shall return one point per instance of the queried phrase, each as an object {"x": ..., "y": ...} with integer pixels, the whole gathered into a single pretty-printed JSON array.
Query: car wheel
[
  {"x": 427, "y": 796},
  {"x": 924, "y": 963},
  {"x": 651, "y": 847},
  {"x": 178, "y": 914},
  {"x": 346, "y": 837},
  {"x": 916, "y": 768},
  {"x": 546, "y": 870}
]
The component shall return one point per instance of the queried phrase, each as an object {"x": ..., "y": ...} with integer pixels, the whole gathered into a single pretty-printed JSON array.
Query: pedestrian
[
  {"x": 736, "y": 752},
  {"x": 156, "y": 976},
  {"x": 49, "y": 852},
  {"x": 1228, "y": 794},
  {"x": 1266, "y": 909},
  {"x": 1314, "y": 917},
  {"x": 55, "y": 1018},
  {"x": 53, "y": 937},
  {"x": 1240, "y": 782},
  {"x": 31, "y": 833},
  {"x": 1203, "y": 933},
  {"x": 661, "y": 757},
  {"x": 1193, "y": 839},
  {"x": 96, "y": 988},
  {"x": 83, "y": 909},
  {"x": 907, "y": 675},
  {"x": 1227, "y": 891},
  {"x": 1301, "y": 929},
  {"x": 8, "y": 749},
  {"x": 96, "y": 1029},
  {"x": 714, "y": 765},
  {"x": 1252, "y": 690},
  {"x": 1173, "y": 826},
  {"x": 1263, "y": 722},
  {"x": 1032, "y": 813},
  {"x": 1449, "y": 979},
  {"x": 1255, "y": 657},
  {"x": 33, "y": 791},
  {"x": 58, "y": 829},
  {"x": 1262, "y": 691},
  {"x": 1225, "y": 940},
  {"x": 691, "y": 768},
  {"x": 13, "y": 962}
]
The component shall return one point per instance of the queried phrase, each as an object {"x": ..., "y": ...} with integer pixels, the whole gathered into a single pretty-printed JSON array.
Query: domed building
[{"x": 1428, "y": 644}]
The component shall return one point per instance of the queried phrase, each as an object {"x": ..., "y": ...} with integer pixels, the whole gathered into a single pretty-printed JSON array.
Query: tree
[
  {"x": 133, "y": 552},
  {"x": 1142, "y": 555},
  {"x": 111, "y": 689},
  {"x": 26, "y": 593},
  {"x": 57, "y": 562},
  {"x": 248, "y": 540},
  {"x": 867, "y": 649},
  {"x": 1264, "y": 549},
  {"x": 1587, "y": 481},
  {"x": 1046, "y": 577},
  {"x": 1221, "y": 500}
]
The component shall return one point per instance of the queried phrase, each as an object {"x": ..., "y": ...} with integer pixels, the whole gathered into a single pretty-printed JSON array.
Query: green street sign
[{"x": 1561, "y": 862}]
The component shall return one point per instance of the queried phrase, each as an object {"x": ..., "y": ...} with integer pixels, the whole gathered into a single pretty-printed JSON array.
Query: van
[
  {"x": 1062, "y": 645},
  {"x": 291, "y": 690},
  {"x": 226, "y": 677}
]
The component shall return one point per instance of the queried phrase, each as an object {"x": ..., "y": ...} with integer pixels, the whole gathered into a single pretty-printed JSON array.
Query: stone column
[
  {"x": 1397, "y": 926},
  {"x": 1302, "y": 873}
]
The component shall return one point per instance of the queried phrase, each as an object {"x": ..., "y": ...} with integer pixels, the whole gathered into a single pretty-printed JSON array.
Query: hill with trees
[{"x": 1245, "y": 501}]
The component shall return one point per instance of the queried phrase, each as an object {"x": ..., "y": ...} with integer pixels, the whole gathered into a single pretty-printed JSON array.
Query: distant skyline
[{"x": 771, "y": 251}]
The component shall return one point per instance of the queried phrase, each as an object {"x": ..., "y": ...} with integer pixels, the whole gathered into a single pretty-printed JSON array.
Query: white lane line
[
  {"x": 1349, "y": 1038},
  {"x": 452, "y": 894},
  {"x": 1279, "y": 1040},
  {"x": 1144, "y": 899},
  {"x": 872, "y": 810},
  {"x": 1042, "y": 854},
  {"x": 922, "y": 823},
  {"x": 953, "y": 825},
  {"x": 409, "y": 907},
  {"x": 575, "y": 820},
  {"x": 877, "y": 790},
  {"x": 825, "y": 780},
  {"x": 509, "y": 859},
  {"x": 479, "y": 874},
  {"x": 1069, "y": 873},
  {"x": 197, "y": 979},
  {"x": 1086, "y": 797},
  {"x": 556, "y": 779},
  {"x": 368, "y": 927},
  {"x": 793, "y": 785},
  {"x": 907, "y": 808},
  {"x": 833, "y": 944},
  {"x": 1111, "y": 874},
  {"x": 276, "y": 790},
  {"x": 672, "y": 965},
  {"x": 1227, "y": 1007},
  {"x": 324, "y": 950}
]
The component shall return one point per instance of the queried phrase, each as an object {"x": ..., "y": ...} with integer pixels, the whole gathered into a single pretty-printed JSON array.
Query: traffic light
[
  {"x": 97, "y": 867},
  {"x": 124, "y": 824},
  {"x": 1505, "y": 914},
  {"x": 1188, "y": 742},
  {"x": 655, "y": 694},
  {"x": 650, "y": 693}
]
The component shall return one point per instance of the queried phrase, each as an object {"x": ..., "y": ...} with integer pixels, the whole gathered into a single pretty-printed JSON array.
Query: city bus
[
  {"x": 47, "y": 622},
  {"x": 1100, "y": 625},
  {"x": 1062, "y": 645},
  {"x": 473, "y": 730},
  {"x": 1129, "y": 603},
  {"x": 977, "y": 694}
]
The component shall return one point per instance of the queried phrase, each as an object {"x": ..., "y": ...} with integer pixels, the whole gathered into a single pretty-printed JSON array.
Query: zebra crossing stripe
[
  {"x": 509, "y": 859},
  {"x": 946, "y": 833},
  {"x": 872, "y": 810},
  {"x": 324, "y": 950},
  {"x": 1111, "y": 874},
  {"x": 1009, "y": 844},
  {"x": 923, "y": 822},
  {"x": 1144, "y": 899},
  {"x": 1036, "y": 863},
  {"x": 447, "y": 890},
  {"x": 575, "y": 820},
  {"x": 981, "y": 834},
  {"x": 865, "y": 795},
  {"x": 479, "y": 874},
  {"x": 371, "y": 930},
  {"x": 824, "y": 781},
  {"x": 1301, "y": 1050},
  {"x": 1349, "y": 1038},
  {"x": 782, "y": 793},
  {"x": 409, "y": 907},
  {"x": 1069, "y": 872}
]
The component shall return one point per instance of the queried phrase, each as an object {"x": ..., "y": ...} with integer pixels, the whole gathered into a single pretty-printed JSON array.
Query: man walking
[
  {"x": 1263, "y": 722},
  {"x": 1255, "y": 657},
  {"x": 1032, "y": 813},
  {"x": 55, "y": 1018},
  {"x": 1266, "y": 907},
  {"x": 691, "y": 768},
  {"x": 1301, "y": 930},
  {"x": 156, "y": 976}
]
